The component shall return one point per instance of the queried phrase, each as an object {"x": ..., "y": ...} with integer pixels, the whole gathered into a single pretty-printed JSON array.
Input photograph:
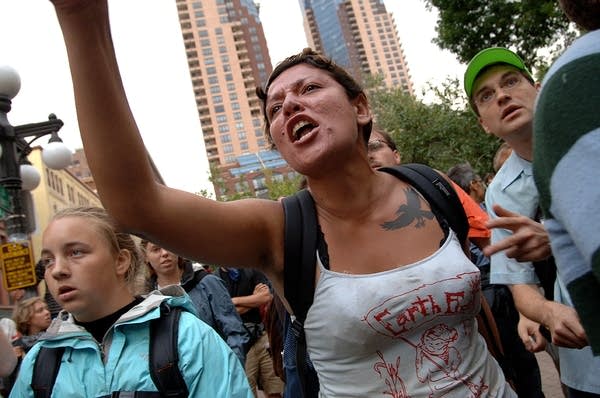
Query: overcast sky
[{"x": 154, "y": 68}]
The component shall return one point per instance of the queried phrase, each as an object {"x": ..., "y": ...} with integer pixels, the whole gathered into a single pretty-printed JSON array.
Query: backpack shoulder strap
[
  {"x": 45, "y": 370},
  {"x": 438, "y": 191},
  {"x": 300, "y": 245},
  {"x": 163, "y": 351}
]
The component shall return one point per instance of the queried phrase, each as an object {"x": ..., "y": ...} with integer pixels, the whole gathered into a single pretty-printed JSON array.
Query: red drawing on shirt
[
  {"x": 396, "y": 386},
  {"x": 424, "y": 308},
  {"x": 438, "y": 360}
]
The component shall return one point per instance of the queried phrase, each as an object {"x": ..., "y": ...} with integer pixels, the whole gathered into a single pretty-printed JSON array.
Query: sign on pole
[{"x": 18, "y": 269}]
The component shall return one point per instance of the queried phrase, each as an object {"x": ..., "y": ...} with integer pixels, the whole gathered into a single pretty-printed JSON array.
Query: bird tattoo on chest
[{"x": 409, "y": 213}]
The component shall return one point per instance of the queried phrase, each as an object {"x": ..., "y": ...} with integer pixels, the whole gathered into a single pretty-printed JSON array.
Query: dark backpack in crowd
[
  {"x": 300, "y": 247},
  {"x": 163, "y": 362}
]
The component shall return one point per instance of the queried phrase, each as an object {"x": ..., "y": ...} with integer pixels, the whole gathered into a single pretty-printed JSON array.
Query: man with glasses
[
  {"x": 382, "y": 150},
  {"x": 502, "y": 93}
]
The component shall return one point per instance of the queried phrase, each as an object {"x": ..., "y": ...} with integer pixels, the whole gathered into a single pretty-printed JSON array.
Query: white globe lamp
[
  {"x": 30, "y": 178},
  {"x": 10, "y": 82},
  {"x": 56, "y": 155}
]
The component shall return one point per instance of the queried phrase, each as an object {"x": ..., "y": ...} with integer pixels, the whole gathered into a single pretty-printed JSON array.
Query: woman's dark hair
[{"x": 311, "y": 57}]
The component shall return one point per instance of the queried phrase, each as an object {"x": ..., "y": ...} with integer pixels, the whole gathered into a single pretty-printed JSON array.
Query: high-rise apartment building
[
  {"x": 228, "y": 58},
  {"x": 359, "y": 35}
]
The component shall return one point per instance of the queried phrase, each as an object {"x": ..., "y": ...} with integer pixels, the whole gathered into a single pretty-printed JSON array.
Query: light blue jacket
[{"x": 88, "y": 369}]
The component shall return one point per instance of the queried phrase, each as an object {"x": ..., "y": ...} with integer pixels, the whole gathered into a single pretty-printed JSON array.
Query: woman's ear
[{"x": 361, "y": 107}]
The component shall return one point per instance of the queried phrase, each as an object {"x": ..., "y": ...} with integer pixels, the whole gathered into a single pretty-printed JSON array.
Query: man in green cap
[{"x": 502, "y": 92}]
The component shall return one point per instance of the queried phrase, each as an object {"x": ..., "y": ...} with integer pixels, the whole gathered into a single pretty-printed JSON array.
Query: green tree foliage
[
  {"x": 466, "y": 27},
  {"x": 279, "y": 187},
  {"x": 441, "y": 134}
]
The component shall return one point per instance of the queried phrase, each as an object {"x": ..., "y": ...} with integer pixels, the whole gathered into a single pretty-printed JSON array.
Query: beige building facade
[{"x": 228, "y": 58}]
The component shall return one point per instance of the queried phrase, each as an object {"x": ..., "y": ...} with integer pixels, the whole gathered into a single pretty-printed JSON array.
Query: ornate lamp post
[{"x": 16, "y": 173}]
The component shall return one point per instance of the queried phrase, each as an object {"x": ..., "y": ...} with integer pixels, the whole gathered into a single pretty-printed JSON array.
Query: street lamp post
[{"x": 14, "y": 166}]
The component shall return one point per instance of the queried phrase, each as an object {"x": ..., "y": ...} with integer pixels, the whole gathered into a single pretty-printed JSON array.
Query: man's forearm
[{"x": 529, "y": 301}]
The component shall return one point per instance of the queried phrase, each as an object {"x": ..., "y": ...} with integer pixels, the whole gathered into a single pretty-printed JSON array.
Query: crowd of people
[{"x": 397, "y": 294}]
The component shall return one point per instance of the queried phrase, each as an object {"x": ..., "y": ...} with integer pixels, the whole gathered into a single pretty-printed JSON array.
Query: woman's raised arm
[{"x": 244, "y": 233}]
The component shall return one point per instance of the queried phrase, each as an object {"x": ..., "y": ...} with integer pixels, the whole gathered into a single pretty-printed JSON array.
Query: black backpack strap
[
  {"x": 300, "y": 245},
  {"x": 164, "y": 356},
  {"x": 437, "y": 191},
  {"x": 45, "y": 369}
]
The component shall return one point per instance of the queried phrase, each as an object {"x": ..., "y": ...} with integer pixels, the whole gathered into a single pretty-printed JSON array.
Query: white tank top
[{"x": 407, "y": 332}]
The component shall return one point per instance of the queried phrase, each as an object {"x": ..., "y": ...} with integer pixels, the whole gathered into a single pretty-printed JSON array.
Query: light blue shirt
[{"x": 514, "y": 189}]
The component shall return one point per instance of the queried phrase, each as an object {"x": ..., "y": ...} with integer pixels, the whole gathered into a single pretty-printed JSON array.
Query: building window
[
  {"x": 207, "y": 51},
  {"x": 224, "y": 128},
  {"x": 242, "y": 186},
  {"x": 259, "y": 182},
  {"x": 219, "y": 109},
  {"x": 235, "y": 105},
  {"x": 256, "y": 122},
  {"x": 221, "y": 118},
  {"x": 228, "y": 148},
  {"x": 217, "y": 99},
  {"x": 230, "y": 159},
  {"x": 237, "y": 115},
  {"x": 233, "y": 96},
  {"x": 258, "y": 133},
  {"x": 213, "y": 80},
  {"x": 211, "y": 70},
  {"x": 244, "y": 146},
  {"x": 239, "y": 126},
  {"x": 230, "y": 86},
  {"x": 225, "y": 138},
  {"x": 241, "y": 135},
  {"x": 215, "y": 89}
]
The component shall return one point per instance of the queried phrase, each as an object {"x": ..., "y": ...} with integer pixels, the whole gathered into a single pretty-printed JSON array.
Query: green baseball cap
[{"x": 491, "y": 56}]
